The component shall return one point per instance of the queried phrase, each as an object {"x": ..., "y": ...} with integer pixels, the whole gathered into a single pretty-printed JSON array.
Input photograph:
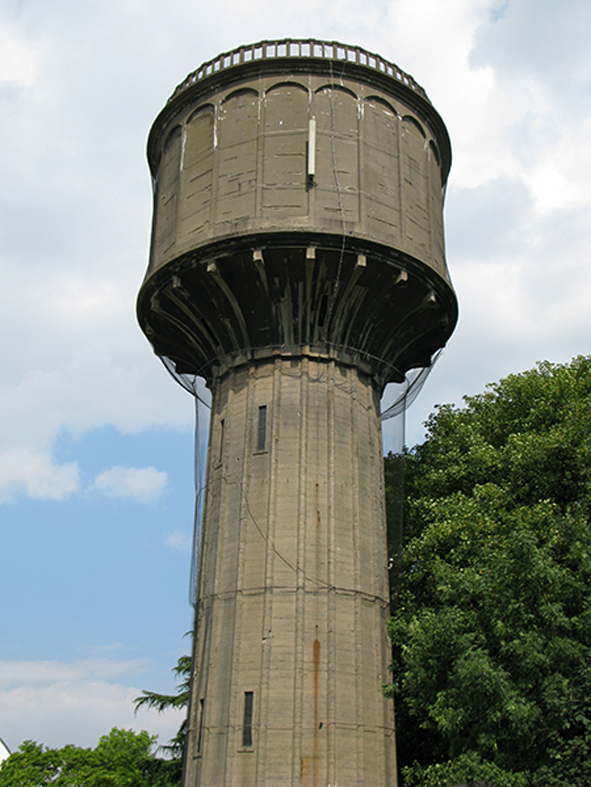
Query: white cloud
[
  {"x": 99, "y": 651},
  {"x": 72, "y": 254},
  {"x": 19, "y": 58},
  {"x": 75, "y": 207},
  {"x": 25, "y": 469},
  {"x": 142, "y": 484},
  {"x": 57, "y": 703},
  {"x": 13, "y": 673},
  {"x": 179, "y": 541}
]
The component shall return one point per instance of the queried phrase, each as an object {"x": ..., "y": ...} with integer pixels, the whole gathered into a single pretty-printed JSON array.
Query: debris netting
[{"x": 403, "y": 395}]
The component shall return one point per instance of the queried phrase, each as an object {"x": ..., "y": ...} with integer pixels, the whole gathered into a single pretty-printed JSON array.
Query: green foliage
[
  {"x": 394, "y": 481},
  {"x": 161, "y": 702},
  {"x": 467, "y": 768},
  {"x": 492, "y": 609},
  {"x": 121, "y": 759}
]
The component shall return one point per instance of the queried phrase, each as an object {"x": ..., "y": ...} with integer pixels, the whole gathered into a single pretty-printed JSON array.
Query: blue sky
[{"x": 96, "y": 441}]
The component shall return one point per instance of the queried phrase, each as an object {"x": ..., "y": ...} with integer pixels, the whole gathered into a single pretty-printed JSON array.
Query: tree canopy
[
  {"x": 491, "y": 625},
  {"x": 162, "y": 702},
  {"x": 122, "y": 758}
]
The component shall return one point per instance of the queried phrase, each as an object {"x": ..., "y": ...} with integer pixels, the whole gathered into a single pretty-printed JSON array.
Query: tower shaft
[{"x": 290, "y": 641}]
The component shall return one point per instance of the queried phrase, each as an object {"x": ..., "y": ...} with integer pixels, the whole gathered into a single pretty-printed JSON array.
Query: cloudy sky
[{"x": 96, "y": 478}]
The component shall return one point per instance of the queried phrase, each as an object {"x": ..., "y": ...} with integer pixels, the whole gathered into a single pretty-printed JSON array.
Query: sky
[{"x": 96, "y": 440}]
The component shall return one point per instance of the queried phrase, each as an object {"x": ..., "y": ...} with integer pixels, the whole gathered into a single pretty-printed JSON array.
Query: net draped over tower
[{"x": 297, "y": 265}]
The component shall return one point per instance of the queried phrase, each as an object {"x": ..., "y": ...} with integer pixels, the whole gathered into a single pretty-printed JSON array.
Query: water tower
[{"x": 297, "y": 265}]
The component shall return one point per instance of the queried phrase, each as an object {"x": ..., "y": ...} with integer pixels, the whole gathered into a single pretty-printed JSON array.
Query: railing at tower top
[{"x": 298, "y": 48}]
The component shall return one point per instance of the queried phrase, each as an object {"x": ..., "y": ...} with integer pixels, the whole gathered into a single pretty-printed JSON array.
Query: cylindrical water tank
[{"x": 298, "y": 191}]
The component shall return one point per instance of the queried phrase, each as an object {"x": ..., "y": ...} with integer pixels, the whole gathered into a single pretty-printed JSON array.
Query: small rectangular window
[
  {"x": 262, "y": 430},
  {"x": 220, "y": 453},
  {"x": 247, "y": 724}
]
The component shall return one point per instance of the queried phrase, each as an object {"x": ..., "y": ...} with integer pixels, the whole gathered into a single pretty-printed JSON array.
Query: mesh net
[
  {"x": 196, "y": 387},
  {"x": 403, "y": 394}
]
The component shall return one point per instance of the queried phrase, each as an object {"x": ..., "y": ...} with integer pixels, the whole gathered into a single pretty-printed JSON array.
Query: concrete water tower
[{"x": 297, "y": 265}]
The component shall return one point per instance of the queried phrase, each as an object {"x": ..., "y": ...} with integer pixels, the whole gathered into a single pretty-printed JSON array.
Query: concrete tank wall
[{"x": 234, "y": 161}]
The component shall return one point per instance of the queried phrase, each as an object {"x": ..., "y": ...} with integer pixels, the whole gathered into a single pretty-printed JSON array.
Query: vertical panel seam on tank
[
  {"x": 358, "y": 112},
  {"x": 427, "y": 193},
  {"x": 272, "y": 458},
  {"x": 321, "y": 563},
  {"x": 437, "y": 253},
  {"x": 363, "y": 202},
  {"x": 215, "y": 167},
  {"x": 428, "y": 201},
  {"x": 438, "y": 208},
  {"x": 301, "y": 571},
  {"x": 331, "y": 601},
  {"x": 155, "y": 178},
  {"x": 184, "y": 181},
  {"x": 379, "y": 535},
  {"x": 379, "y": 551},
  {"x": 182, "y": 185},
  {"x": 260, "y": 147},
  {"x": 354, "y": 404},
  {"x": 397, "y": 156},
  {"x": 237, "y": 695},
  {"x": 380, "y": 587},
  {"x": 401, "y": 190},
  {"x": 174, "y": 215},
  {"x": 161, "y": 173}
]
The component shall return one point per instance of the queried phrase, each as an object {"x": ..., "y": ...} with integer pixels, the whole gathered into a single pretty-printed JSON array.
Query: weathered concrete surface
[
  {"x": 293, "y": 590},
  {"x": 235, "y": 163}
]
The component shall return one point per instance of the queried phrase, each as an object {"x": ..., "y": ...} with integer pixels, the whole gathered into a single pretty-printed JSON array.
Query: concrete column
[{"x": 291, "y": 647}]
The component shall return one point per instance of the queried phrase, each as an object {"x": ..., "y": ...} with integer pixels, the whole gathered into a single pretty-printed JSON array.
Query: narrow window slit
[
  {"x": 221, "y": 451},
  {"x": 247, "y": 723},
  {"x": 262, "y": 430}
]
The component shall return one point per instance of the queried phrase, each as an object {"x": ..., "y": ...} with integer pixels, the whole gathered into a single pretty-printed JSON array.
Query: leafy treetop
[
  {"x": 491, "y": 622},
  {"x": 122, "y": 758}
]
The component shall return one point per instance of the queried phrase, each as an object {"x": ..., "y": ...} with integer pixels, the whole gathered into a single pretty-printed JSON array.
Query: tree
[
  {"x": 162, "y": 702},
  {"x": 491, "y": 625},
  {"x": 121, "y": 759}
]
